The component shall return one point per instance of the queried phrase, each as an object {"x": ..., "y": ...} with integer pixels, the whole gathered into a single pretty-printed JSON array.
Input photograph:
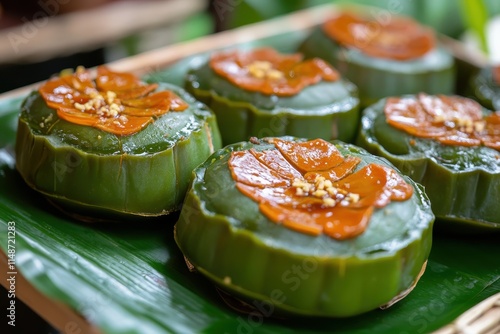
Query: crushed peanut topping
[
  {"x": 451, "y": 120},
  {"x": 111, "y": 96},
  {"x": 323, "y": 188},
  {"x": 313, "y": 197},
  {"x": 119, "y": 103},
  {"x": 264, "y": 69}
]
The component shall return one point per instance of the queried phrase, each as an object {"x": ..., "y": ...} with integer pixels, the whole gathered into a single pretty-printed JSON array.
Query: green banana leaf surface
[{"x": 131, "y": 278}]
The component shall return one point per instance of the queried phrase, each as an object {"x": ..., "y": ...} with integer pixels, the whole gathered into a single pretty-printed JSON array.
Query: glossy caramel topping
[
  {"x": 118, "y": 103},
  {"x": 451, "y": 120},
  {"x": 399, "y": 38},
  {"x": 312, "y": 188},
  {"x": 269, "y": 72}
]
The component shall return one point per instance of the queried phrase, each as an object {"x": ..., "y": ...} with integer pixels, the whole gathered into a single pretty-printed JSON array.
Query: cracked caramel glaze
[
  {"x": 118, "y": 103},
  {"x": 451, "y": 120},
  {"x": 399, "y": 38},
  {"x": 312, "y": 188},
  {"x": 266, "y": 71}
]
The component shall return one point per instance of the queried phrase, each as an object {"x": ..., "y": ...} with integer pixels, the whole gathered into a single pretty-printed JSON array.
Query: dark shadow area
[
  {"x": 19, "y": 75},
  {"x": 27, "y": 321}
]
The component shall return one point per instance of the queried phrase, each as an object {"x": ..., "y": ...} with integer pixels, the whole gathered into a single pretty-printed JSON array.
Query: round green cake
[
  {"x": 380, "y": 76},
  {"x": 324, "y": 109},
  {"x": 94, "y": 175},
  {"x": 228, "y": 239},
  {"x": 463, "y": 183}
]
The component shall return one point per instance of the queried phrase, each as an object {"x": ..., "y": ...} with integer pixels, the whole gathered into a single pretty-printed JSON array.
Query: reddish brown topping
[
  {"x": 269, "y": 72},
  {"x": 311, "y": 188},
  {"x": 118, "y": 103},
  {"x": 452, "y": 120},
  {"x": 399, "y": 38},
  {"x": 496, "y": 74}
]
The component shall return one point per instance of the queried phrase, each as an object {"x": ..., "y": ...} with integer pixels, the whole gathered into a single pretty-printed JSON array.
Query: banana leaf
[{"x": 126, "y": 278}]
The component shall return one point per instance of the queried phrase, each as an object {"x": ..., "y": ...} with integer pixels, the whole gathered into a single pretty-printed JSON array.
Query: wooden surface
[
  {"x": 51, "y": 36},
  {"x": 57, "y": 314},
  {"x": 162, "y": 57},
  {"x": 484, "y": 318}
]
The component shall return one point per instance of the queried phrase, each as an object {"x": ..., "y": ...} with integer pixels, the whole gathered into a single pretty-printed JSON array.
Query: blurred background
[{"x": 40, "y": 37}]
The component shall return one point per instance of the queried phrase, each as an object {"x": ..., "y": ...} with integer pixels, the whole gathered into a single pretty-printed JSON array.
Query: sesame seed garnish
[
  {"x": 76, "y": 84},
  {"x": 339, "y": 196}
]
